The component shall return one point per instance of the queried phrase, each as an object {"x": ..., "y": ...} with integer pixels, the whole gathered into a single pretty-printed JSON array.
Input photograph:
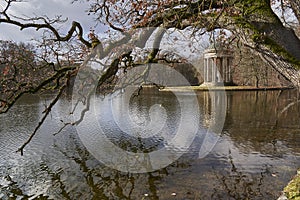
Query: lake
[{"x": 254, "y": 156}]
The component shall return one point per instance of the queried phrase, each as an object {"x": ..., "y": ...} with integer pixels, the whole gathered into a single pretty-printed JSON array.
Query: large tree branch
[
  {"x": 7, "y": 104},
  {"x": 182, "y": 14},
  {"x": 45, "y": 115},
  {"x": 76, "y": 27},
  {"x": 47, "y": 24},
  {"x": 281, "y": 40}
]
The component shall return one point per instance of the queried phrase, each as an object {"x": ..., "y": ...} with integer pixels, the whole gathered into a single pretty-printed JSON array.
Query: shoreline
[{"x": 220, "y": 88}]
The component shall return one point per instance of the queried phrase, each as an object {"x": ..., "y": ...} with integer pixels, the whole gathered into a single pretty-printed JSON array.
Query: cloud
[{"x": 49, "y": 8}]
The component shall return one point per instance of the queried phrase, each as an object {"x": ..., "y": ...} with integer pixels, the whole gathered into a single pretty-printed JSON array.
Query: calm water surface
[{"x": 256, "y": 155}]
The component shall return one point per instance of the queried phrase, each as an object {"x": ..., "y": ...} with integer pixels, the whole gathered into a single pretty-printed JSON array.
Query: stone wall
[{"x": 249, "y": 69}]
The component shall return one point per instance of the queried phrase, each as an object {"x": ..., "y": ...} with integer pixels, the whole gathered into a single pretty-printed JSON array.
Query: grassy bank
[
  {"x": 292, "y": 190},
  {"x": 227, "y": 88}
]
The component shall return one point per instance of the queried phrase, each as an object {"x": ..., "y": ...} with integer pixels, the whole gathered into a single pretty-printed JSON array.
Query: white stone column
[
  {"x": 223, "y": 70},
  {"x": 213, "y": 67},
  {"x": 206, "y": 70},
  {"x": 209, "y": 70},
  {"x": 227, "y": 69}
]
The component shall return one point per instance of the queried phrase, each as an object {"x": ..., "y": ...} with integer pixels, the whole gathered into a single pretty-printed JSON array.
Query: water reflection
[
  {"x": 271, "y": 120},
  {"x": 254, "y": 158}
]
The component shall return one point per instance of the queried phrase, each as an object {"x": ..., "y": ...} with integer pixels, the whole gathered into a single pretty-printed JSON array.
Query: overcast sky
[
  {"x": 74, "y": 12},
  {"x": 51, "y": 8}
]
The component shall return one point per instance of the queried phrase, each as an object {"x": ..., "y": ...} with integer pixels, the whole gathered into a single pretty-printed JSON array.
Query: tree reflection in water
[{"x": 247, "y": 163}]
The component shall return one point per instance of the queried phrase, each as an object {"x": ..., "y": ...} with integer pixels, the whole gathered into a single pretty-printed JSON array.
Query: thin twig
[{"x": 46, "y": 113}]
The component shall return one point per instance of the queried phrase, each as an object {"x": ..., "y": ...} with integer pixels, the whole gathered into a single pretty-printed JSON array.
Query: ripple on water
[{"x": 60, "y": 166}]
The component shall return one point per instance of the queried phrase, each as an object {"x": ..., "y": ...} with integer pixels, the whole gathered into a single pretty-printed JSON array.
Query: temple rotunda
[{"x": 217, "y": 66}]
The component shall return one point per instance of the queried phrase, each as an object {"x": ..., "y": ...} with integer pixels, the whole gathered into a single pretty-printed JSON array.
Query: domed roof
[{"x": 218, "y": 47}]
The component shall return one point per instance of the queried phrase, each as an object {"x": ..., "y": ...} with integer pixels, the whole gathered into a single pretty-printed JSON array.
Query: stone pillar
[
  {"x": 225, "y": 70},
  {"x": 206, "y": 70},
  {"x": 209, "y": 71},
  {"x": 229, "y": 69},
  {"x": 213, "y": 69}
]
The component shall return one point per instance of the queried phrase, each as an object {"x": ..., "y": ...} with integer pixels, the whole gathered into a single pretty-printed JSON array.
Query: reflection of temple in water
[
  {"x": 214, "y": 106},
  {"x": 217, "y": 66}
]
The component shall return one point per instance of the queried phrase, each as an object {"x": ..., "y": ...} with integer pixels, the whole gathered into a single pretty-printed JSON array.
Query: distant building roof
[
  {"x": 219, "y": 50},
  {"x": 216, "y": 47}
]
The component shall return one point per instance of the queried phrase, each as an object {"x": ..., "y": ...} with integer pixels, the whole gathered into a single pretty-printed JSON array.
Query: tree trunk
[
  {"x": 280, "y": 39},
  {"x": 284, "y": 68},
  {"x": 284, "y": 60}
]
